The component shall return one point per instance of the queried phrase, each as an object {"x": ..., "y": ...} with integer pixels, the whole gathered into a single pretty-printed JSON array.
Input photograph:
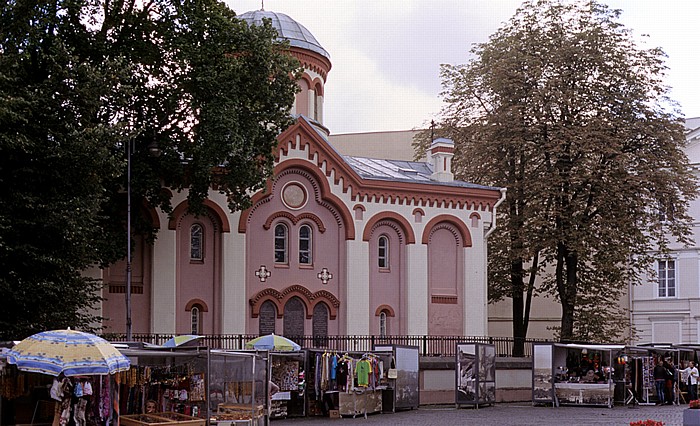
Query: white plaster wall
[
  {"x": 357, "y": 291},
  {"x": 475, "y": 296},
  {"x": 417, "y": 289},
  {"x": 164, "y": 280},
  {"x": 234, "y": 304}
]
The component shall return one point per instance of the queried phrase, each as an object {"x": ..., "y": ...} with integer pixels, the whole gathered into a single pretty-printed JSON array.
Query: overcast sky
[{"x": 386, "y": 54}]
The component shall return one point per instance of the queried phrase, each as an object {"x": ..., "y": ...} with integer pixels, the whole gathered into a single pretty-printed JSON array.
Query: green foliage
[
  {"x": 79, "y": 79},
  {"x": 567, "y": 111}
]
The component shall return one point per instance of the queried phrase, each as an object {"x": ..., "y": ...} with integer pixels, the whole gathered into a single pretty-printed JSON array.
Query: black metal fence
[{"x": 428, "y": 345}]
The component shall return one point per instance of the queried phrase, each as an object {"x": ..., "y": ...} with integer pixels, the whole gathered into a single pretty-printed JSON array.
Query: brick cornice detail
[
  {"x": 309, "y": 299},
  {"x": 312, "y": 61},
  {"x": 302, "y": 136}
]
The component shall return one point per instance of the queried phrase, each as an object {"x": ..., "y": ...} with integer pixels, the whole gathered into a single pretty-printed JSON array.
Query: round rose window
[{"x": 294, "y": 195}]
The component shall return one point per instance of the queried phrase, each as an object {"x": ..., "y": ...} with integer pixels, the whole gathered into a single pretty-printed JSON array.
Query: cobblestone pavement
[{"x": 506, "y": 414}]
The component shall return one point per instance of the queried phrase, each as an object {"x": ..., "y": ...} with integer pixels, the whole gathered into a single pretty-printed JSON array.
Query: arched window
[
  {"x": 281, "y": 243},
  {"x": 319, "y": 325},
  {"x": 294, "y": 317},
  {"x": 305, "y": 245},
  {"x": 196, "y": 242},
  {"x": 266, "y": 319},
  {"x": 382, "y": 324},
  {"x": 196, "y": 319},
  {"x": 383, "y": 252}
]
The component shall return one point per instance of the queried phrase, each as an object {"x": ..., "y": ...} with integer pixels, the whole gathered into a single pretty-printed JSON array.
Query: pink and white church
[{"x": 334, "y": 245}]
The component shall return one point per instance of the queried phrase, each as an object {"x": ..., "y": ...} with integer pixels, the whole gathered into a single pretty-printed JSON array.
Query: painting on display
[{"x": 467, "y": 391}]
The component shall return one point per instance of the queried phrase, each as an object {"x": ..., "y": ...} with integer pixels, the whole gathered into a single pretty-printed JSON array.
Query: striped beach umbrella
[
  {"x": 70, "y": 352},
  {"x": 272, "y": 342}
]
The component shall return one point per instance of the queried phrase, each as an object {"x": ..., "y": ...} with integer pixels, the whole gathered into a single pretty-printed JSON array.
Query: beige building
[{"x": 666, "y": 308}]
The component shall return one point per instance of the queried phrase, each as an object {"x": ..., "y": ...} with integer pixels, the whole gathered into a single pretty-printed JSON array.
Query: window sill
[
  {"x": 282, "y": 265},
  {"x": 306, "y": 266},
  {"x": 384, "y": 270}
]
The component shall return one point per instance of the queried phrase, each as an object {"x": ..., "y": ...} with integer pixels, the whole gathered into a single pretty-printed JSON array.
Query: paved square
[{"x": 507, "y": 414}]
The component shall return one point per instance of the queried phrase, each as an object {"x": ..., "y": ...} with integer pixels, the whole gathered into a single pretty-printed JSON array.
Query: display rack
[{"x": 475, "y": 382}]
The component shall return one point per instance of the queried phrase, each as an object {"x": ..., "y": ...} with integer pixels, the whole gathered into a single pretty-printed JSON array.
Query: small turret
[{"x": 441, "y": 152}]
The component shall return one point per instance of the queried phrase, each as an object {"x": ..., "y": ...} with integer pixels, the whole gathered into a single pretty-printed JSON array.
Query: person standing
[
  {"x": 692, "y": 372},
  {"x": 670, "y": 382},
  {"x": 660, "y": 381}
]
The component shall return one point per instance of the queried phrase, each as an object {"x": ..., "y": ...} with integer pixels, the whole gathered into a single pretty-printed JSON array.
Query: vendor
[{"x": 151, "y": 407}]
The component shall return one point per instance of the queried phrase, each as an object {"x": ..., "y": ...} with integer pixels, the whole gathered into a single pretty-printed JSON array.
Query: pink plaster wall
[
  {"x": 302, "y": 98},
  {"x": 198, "y": 279},
  {"x": 386, "y": 284},
  {"x": 114, "y": 305},
  {"x": 328, "y": 248},
  {"x": 445, "y": 269}
]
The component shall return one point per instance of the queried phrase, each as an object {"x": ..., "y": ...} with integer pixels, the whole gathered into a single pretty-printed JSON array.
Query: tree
[
  {"x": 567, "y": 111},
  {"x": 79, "y": 79}
]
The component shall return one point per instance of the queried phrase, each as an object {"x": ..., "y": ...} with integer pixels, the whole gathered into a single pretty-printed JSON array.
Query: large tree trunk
[
  {"x": 567, "y": 285},
  {"x": 519, "y": 327}
]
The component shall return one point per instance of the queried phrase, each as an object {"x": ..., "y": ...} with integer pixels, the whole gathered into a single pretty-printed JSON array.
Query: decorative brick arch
[
  {"x": 318, "y": 86},
  {"x": 393, "y": 217},
  {"x": 216, "y": 210},
  {"x": 327, "y": 198},
  {"x": 309, "y": 299},
  {"x": 295, "y": 219},
  {"x": 194, "y": 302},
  {"x": 458, "y": 224},
  {"x": 384, "y": 308}
]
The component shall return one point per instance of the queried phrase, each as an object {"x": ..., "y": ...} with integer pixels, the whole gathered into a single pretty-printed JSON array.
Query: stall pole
[{"x": 206, "y": 386}]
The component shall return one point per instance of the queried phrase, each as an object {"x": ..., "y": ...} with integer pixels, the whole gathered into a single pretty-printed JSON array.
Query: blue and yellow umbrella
[
  {"x": 272, "y": 342},
  {"x": 70, "y": 352}
]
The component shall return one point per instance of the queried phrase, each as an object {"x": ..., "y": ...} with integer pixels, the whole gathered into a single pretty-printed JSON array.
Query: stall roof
[
  {"x": 594, "y": 347},
  {"x": 164, "y": 352}
]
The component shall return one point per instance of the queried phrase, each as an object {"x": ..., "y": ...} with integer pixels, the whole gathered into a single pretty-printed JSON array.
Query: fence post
[{"x": 425, "y": 345}]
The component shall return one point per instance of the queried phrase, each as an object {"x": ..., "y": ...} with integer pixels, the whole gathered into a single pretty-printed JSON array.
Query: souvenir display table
[{"x": 160, "y": 419}]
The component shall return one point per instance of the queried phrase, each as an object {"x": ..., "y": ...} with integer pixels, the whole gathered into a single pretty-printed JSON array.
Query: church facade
[{"x": 334, "y": 245}]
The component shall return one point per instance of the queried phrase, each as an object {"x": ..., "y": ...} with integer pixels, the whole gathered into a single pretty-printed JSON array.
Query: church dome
[{"x": 288, "y": 29}]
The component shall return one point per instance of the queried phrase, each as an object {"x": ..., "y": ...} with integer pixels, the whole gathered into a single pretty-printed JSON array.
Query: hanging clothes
[{"x": 364, "y": 368}]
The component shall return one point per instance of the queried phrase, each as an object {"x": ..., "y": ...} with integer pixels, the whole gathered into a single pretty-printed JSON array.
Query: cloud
[
  {"x": 365, "y": 99},
  {"x": 386, "y": 54}
]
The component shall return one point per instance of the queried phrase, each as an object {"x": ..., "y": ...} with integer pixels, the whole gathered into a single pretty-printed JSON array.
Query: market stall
[
  {"x": 188, "y": 385},
  {"x": 24, "y": 397},
  {"x": 348, "y": 383},
  {"x": 475, "y": 374},
  {"x": 238, "y": 387},
  {"x": 403, "y": 388},
  {"x": 641, "y": 362},
  {"x": 162, "y": 381},
  {"x": 59, "y": 375},
  {"x": 574, "y": 374},
  {"x": 287, "y": 372}
]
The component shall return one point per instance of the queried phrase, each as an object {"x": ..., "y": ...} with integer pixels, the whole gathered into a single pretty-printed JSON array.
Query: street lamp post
[{"x": 128, "y": 241}]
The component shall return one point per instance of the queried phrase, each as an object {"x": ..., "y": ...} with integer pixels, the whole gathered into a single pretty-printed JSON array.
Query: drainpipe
[{"x": 493, "y": 220}]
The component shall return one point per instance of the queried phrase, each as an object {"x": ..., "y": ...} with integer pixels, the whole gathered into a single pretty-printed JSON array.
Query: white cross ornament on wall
[
  {"x": 263, "y": 273},
  {"x": 324, "y": 276}
]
